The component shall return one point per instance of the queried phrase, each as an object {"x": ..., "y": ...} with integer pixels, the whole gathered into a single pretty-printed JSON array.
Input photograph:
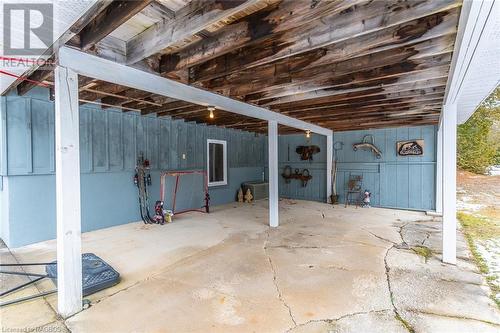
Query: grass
[
  {"x": 480, "y": 228},
  {"x": 422, "y": 251},
  {"x": 405, "y": 323}
]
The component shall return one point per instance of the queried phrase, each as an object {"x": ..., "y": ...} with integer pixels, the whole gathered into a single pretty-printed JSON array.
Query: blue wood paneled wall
[
  {"x": 396, "y": 182},
  {"x": 316, "y": 187},
  {"x": 112, "y": 140},
  {"x": 110, "y": 144}
]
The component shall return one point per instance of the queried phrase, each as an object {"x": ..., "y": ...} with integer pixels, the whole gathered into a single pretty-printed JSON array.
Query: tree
[{"x": 478, "y": 139}]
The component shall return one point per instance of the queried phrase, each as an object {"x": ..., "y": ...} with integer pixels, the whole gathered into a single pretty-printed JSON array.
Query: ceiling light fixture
[
  {"x": 308, "y": 134},
  {"x": 211, "y": 109}
]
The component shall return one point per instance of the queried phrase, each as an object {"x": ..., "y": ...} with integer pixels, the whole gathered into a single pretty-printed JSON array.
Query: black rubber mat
[{"x": 97, "y": 274}]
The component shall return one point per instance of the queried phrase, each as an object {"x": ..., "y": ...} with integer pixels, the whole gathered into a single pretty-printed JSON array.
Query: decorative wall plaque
[{"x": 410, "y": 148}]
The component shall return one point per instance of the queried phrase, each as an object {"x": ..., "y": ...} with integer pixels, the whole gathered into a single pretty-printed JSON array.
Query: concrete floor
[{"x": 323, "y": 270}]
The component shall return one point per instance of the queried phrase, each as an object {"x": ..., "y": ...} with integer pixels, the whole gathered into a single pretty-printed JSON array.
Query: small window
[{"x": 216, "y": 162}]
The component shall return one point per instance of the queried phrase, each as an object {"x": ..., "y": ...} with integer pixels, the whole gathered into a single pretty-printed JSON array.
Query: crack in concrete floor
[
  {"x": 333, "y": 320},
  {"x": 275, "y": 281},
  {"x": 404, "y": 246},
  {"x": 397, "y": 313}
]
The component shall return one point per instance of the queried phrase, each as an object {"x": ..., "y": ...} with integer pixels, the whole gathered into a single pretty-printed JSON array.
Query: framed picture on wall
[{"x": 410, "y": 148}]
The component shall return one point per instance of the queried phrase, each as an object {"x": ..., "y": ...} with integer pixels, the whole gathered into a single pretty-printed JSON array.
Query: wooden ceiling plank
[
  {"x": 168, "y": 107},
  {"x": 158, "y": 11},
  {"x": 120, "y": 98}
]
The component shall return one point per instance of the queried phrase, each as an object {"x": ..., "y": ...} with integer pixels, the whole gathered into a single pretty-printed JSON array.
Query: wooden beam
[
  {"x": 67, "y": 147},
  {"x": 109, "y": 19},
  {"x": 168, "y": 107},
  {"x": 35, "y": 79},
  {"x": 184, "y": 112},
  {"x": 95, "y": 67},
  {"x": 198, "y": 15},
  {"x": 120, "y": 99},
  {"x": 158, "y": 11},
  {"x": 105, "y": 105}
]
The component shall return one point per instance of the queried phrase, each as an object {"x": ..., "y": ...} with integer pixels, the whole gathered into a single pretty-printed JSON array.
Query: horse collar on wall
[{"x": 306, "y": 152}]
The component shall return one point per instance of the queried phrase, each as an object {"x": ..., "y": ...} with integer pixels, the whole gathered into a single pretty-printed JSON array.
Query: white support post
[
  {"x": 449, "y": 127},
  {"x": 439, "y": 169},
  {"x": 329, "y": 165},
  {"x": 273, "y": 173},
  {"x": 67, "y": 139}
]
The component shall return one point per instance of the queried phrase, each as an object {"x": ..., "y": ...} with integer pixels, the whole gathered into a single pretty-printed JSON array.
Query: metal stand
[{"x": 39, "y": 277}]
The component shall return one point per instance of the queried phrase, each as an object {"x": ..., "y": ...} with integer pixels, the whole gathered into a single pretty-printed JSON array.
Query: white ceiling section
[
  {"x": 66, "y": 13},
  {"x": 137, "y": 24},
  {"x": 476, "y": 67}
]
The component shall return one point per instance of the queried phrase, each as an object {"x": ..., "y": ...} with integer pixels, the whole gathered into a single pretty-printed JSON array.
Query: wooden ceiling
[{"x": 340, "y": 64}]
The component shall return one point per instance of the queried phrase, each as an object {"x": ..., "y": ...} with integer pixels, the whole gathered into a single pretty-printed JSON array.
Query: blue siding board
[
  {"x": 174, "y": 160},
  {"x": 140, "y": 137},
  {"x": 18, "y": 136},
  {"x": 115, "y": 141},
  {"x": 86, "y": 164},
  {"x": 128, "y": 140},
  {"x": 3, "y": 137},
  {"x": 42, "y": 127},
  {"x": 99, "y": 141},
  {"x": 164, "y": 144}
]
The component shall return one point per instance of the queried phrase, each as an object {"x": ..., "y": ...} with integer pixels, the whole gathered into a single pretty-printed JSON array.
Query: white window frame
[{"x": 224, "y": 154}]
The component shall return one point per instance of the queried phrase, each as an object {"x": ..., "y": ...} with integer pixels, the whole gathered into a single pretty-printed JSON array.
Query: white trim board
[
  {"x": 224, "y": 157},
  {"x": 475, "y": 68},
  {"x": 102, "y": 69}
]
